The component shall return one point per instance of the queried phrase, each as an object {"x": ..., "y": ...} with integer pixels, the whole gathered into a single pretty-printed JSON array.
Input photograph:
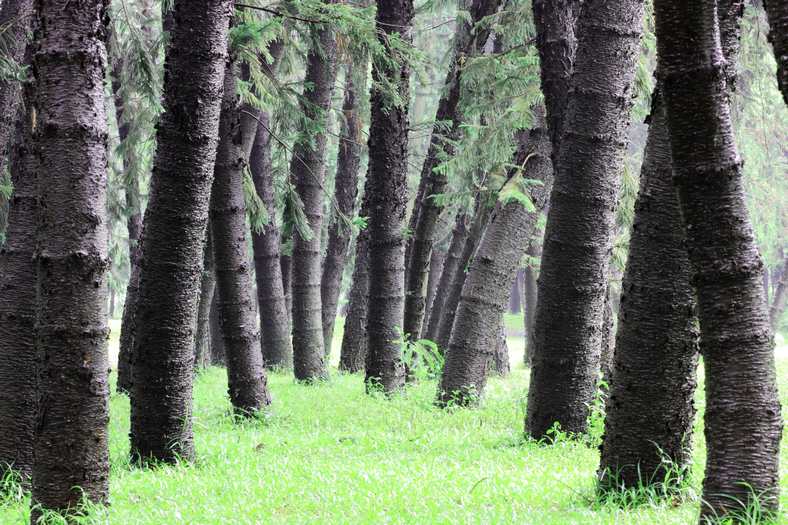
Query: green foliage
[
  {"x": 256, "y": 210},
  {"x": 423, "y": 359}
]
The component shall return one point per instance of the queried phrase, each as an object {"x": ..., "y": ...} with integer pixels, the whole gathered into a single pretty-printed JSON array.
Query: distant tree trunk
[
  {"x": 468, "y": 40},
  {"x": 451, "y": 265},
  {"x": 437, "y": 259},
  {"x": 387, "y": 191},
  {"x": 607, "y": 344},
  {"x": 307, "y": 171},
  {"x": 499, "y": 362},
  {"x": 127, "y": 325},
  {"x": 354, "y": 340},
  {"x": 579, "y": 233},
  {"x": 485, "y": 294},
  {"x": 247, "y": 382},
  {"x": 202, "y": 343},
  {"x": 286, "y": 266},
  {"x": 218, "y": 357},
  {"x": 778, "y": 300},
  {"x": 650, "y": 408},
  {"x": 71, "y": 455},
  {"x": 175, "y": 227},
  {"x": 18, "y": 305},
  {"x": 529, "y": 304},
  {"x": 742, "y": 419},
  {"x": 345, "y": 193},
  {"x": 777, "y": 13}
]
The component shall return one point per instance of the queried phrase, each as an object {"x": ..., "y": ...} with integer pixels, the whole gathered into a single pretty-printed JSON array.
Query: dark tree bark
[
  {"x": 468, "y": 40},
  {"x": 307, "y": 170},
  {"x": 437, "y": 259},
  {"x": 742, "y": 419},
  {"x": 202, "y": 343},
  {"x": 345, "y": 196},
  {"x": 16, "y": 17},
  {"x": 451, "y": 265},
  {"x": 387, "y": 191},
  {"x": 218, "y": 356},
  {"x": 499, "y": 361},
  {"x": 127, "y": 327},
  {"x": 777, "y": 13},
  {"x": 247, "y": 382},
  {"x": 778, "y": 300},
  {"x": 71, "y": 455},
  {"x": 485, "y": 294},
  {"x": 286, "y": 267},
  {"x": 354, "y": 341},
  {"x": 18, "y": 305},
  {"x": 529, "y": 304},
  {"x": 579, "y": 233},
  {"x": 175, "y": 226}
]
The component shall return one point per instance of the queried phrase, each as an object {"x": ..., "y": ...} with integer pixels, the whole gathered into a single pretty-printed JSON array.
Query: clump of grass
[{"x": 12, "y": 487}]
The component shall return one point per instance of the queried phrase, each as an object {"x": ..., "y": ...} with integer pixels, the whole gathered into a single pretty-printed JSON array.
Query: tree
[
  {"x": 353, "y": 355},
  {"x": 469, "y": 39},
  {"x": 578, "y": 235},
  {"x": 345, "y": 193},
  {"x": 777, "y": 12},
  {"x": 778, "y": 301},
  {"x": 202, "y": 338},
  {"x": 386, "y": 190},
  {"x": 247, "y": 382},
  {"x": 307, "y": 171},
  {"x": 742, "y": 419},
  {"x": 175, "y": 225},
  {"x": 71, "y": 455},
  {"x": 18, "y": 305}
]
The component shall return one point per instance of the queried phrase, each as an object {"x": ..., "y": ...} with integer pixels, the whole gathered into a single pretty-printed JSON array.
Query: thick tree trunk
[
  {"x": 437, "y": 259},
  {"x": 777, "y": 13},
  {"x": 307, "y": 171},
  {"x": 579, "y": 233},
  {"x": 247, "y": 382},
  {"x": 202, "y": 343},
  {"x": 485, "y": 294},
  {"x": 387, "y": 191},
  {"x": 778, "y": 300},
  {"x": 18, "y": 305},
  {"x": 218, "y": 356},
  {"x": 354, "y": 340},
  {"x": 71, "y": 455},
  {"x": 742, "y": 419},
  {"x": 529, "y": 304},
  {"x": 345, "y": 193},
  {"x": 468, "y": 40},
  {"x": 175, "y": 227},
  {"x": 451, "y": 265}
]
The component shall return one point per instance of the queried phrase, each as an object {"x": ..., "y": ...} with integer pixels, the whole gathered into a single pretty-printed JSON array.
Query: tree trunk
[
  {"x": 18, "y": 305},
  {"x": 387, "y": 191},
  {"x": 307, "y": 171},
  {"x": 175, "y": 227},
  {"x": 247, "y": 382},
  {"x": 468, "y": 40},
  {"x": 127, "y": 327},
  {"x": 777, "y": 13},
  {"x": 286, "y": 267},
  {"x": 529, "y": 295},
  {"x": 202, "y": 344},
  {"x": 742, "y": 419},
  {"x": 485, "y": 293},
  {"x": 499, "y": 363},
  {"x": 345, "y": 193},
  {"x": 218, "y": 356},
  {"x": 514, "y": 294},
  {"x": 354, "y": 340},
  {"x": 437, "y": 259},
  {"x": 650, "y": 408},
  {"x": 579, "y": 233},
  {"x": 71, "y": 455},
  {"x": 778, "y": 301},
  {"x": 451, "y": 265}
]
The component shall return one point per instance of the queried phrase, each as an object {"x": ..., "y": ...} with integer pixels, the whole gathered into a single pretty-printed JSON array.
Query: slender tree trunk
[
  {"x": 354, "y": 340},
  {"x": 650, "y": 408},
  {"x": 778, "y": 301},
  {"x": 499, "y": 362},
  {"x": 18, "y": 305},
  {"x": 175, "y": 226},
  {"x": 307, "y": 170},
  {"x": 71, "y": 455},
  {"x": 345, "y": 196},
  {"x": 286, "y": 267},
  {"x": 127, "y": 327},
  {"x": 579, "y": 233},
  {"x": 514, "y": 294},
  {"x": 529, "y": 304},
  {"x": 437, "y": 259},
  {"x": 218, "y": 356},
  {"x": 777, "y": 13},
  {"x": 451, "y": 265},
  {"x": 247, "y": 382},
  {"x": 742, "y": 419},
  {"x": 387, "y": 190},
  {"x": 202, "y": 344},
  {"x": 485, "y": 293},
  {"x": 468, "y": 40}
]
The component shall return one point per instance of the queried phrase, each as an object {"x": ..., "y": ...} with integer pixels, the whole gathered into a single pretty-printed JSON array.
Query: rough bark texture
[
  {"x": 202, "y": 342},
  {"x": 437, "y": 259},
  {"x": 345, "y": 196},
  {"x": 218, "y": 357},
  {"x": 71, "y": 456},
  {"x": 485, "y": 294},
  {"x": 529, "y": 304},
  {"x": 451, "y": 264},
  {"x": 175, "y": 226},
  {"x": 468, "y": 40},
  {"x": 247, "y": 382},
  {"x": 354, "y": 341},
  {"x": 15, "y": 19},
  {"x": 387, "y": 191},
  {"x": 18, "y": 306},
  {"x": 650, "y": 407},
  {"x": 742, "y": 419},
  {"x": 499, "y": 362},
  {"x": 286, "y": 267},
  {"x": 778, "y": 300},
  {"x": 579, "y": 233},
  {"x": 127, "y": 325},
  {"x": 307, "y": 171},
  {"x": 777, "y": 13}
]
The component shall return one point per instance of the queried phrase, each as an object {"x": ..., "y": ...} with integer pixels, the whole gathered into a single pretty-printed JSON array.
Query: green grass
[{"x": 331, "y": 454}]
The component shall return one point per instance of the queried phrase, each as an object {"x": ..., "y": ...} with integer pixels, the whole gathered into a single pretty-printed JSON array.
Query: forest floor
[{"x": 332, "y": 454}]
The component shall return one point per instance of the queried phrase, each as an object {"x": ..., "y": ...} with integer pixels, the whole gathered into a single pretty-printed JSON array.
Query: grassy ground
[{"x": 331, "y": 454}]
